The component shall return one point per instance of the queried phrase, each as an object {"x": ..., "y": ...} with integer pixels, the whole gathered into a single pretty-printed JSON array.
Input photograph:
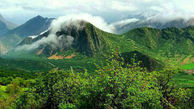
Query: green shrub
[
  {"x": 111, "y": 86},
  {"x": 67, "y": 106}
]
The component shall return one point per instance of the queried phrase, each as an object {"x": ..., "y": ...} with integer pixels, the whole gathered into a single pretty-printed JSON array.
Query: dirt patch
[
  {"x": 185, "y": 61},
  {"x": 55, "y": 57},
  {"x": 190, "y": 71},
  {"x": 61, "y": 57},
  {"x": 69, "y": 57},
  {"x": 40, "y": 51},
  {"x": 192, "y": 59}
]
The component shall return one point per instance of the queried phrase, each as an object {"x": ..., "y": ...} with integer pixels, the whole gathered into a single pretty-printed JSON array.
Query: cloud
[
  {"x": 111, "y": 10},
  {"x": 122, "y": 6},
  {"x": 72, "y": 19},
  {"x": 62, "y": 23},
  {"x": 124, "y": 22}
]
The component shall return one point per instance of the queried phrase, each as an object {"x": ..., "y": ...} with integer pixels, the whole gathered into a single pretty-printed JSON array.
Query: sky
[{"x": 19, "y": 11}]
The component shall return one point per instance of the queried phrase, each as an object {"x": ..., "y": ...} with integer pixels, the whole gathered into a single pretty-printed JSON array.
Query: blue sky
[{"x": 18, "y": 11}]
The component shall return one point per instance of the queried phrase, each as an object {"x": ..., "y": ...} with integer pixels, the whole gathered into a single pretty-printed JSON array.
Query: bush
[
  {"x": 67, "y": 106},
  {"x": 111, "y": 86},
  {"x": 5, "y": 80},
  {"x": 12, "y": 89}
]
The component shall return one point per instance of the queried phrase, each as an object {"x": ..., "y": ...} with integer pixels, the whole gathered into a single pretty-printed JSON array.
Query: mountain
[
  {"x": 5, "y": 25},
  {"x": 77, "y": 39},
  {"x": 34, "y": 26},
  {"x": 169, "y": 42},
  {"x": 154, "y": 23},
  {"x": 152, "y": 46},
  {"x": 79, "y": 36},
  {"x": 89, "y": 40},
  {"x": 85, "y": 39}
]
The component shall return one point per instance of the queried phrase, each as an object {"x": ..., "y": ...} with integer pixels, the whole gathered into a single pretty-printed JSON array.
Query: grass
[
  {"x": 184, "y": 80},
  {"x": 188, "y": 66}
]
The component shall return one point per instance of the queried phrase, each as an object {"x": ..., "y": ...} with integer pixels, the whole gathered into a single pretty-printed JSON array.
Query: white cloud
[
  {"x": 71, "y": 19},
  {"x": 125, "y": 21},
  {"x": 109, "y": 9},
  {"x": 123, "y": 6}
]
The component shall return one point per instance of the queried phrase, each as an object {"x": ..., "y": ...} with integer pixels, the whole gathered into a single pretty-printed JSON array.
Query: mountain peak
[
  {"x": 34, "y": 26},
  {"x": 79, "y": 35},
  {"x": 37, "y": 17}
]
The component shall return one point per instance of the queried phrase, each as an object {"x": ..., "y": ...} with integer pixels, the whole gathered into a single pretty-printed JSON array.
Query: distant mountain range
[
  {"x": 32, "y": 27},
  {"x": 129, "y": 24},
  {"x": 5, "y": 25}
]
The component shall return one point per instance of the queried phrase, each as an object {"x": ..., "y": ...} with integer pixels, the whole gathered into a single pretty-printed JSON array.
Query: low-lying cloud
[
  {"x": 124, "y": 22},
  {"x": 63, "y": 22},
  {"x": 72, "y": 20}
]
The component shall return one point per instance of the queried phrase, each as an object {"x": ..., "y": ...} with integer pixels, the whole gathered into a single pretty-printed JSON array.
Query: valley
[{"x": 49, "y": 63}]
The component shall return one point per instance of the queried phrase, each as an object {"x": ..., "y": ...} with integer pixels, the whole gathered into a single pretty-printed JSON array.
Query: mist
[{"x": 63, "y": 22}]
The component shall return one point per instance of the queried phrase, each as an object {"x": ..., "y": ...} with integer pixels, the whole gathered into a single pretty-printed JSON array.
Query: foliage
[{"x": 111, "y": 86}]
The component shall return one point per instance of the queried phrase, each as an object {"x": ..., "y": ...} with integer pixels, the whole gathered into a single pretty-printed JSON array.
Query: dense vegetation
[
  {"x": 115, "y": 85},
  {"x": 170, "y": 42}
]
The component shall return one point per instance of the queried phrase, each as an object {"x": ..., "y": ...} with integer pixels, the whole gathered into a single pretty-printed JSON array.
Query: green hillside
[
  {"x": 170, "y": 43},
  {"x": 101, "y": 70},
  {"x": 166, "y": 46}
]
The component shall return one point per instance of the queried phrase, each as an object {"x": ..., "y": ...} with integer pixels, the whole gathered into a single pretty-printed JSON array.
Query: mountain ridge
[
  {"x": 155, "y": 23},
  {"x": 34, "y": 26},
  {"x": 84, "y": 39},
  {"x": 156, "y": 43}
]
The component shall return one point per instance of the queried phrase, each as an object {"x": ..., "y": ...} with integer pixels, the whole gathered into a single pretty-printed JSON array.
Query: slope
[
  {"x": 82, "y": 39},
  {"x": 166, "y": 43},
  {"x": 34, "y": 26},
  {"x": 5, "y": 25}
]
